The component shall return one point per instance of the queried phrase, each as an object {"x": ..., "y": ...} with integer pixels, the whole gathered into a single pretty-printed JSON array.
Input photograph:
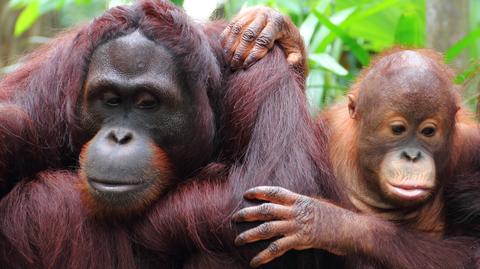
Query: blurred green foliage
[
  {"x": 73, "y": 11},
  {"x": 341, "y": 34},
  {"x": 31, "y": 10}
]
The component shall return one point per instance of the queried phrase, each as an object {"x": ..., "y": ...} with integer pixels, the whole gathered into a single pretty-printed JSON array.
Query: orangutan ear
[{"x": 352, "y": 106}]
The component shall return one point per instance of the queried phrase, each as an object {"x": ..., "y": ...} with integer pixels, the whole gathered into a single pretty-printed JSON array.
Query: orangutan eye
[
  {"x": 428, "y": 131},
  {"x": 146, "y": 101},
  {"x": 398, "y": 129},
  {"x": 111, "y": 99}
]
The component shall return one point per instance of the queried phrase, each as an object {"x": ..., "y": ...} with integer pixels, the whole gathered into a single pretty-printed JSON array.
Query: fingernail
[
  {"x": 239, "y": 241},
  {"x": 255, "y": 262},
  {"x": 248, "y": 62},
  {"x": 237, "y": 217},
  {"x": 248, "y": 195},
  {"x": 247, "y": 65}
]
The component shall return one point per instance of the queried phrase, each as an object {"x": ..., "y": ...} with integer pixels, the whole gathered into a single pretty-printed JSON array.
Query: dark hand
[
  {"x": 253, "y": 33},
  {"x": 301, "y": 222}
]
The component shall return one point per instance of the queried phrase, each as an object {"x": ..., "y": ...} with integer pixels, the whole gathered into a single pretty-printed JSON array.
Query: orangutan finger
[
  {"x": 247, "y": 41},
  {"x": 256, "y": 53},
  {"x": 263, "y": 212},
  {"x": 229, "y": 36},
  {"x": 264, "y": 231},
  {"x": 265, "y": 40},
  {"x": 274, "y": 250},
  {"x": 276, "y": 195}
]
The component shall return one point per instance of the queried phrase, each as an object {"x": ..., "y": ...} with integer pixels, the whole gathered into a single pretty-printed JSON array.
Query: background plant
[{"x": 342, "y": 35}]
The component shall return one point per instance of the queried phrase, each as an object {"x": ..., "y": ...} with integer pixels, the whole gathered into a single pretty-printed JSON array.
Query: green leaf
[
  {"x": 328, "y": 62},
  {"x": 49, "y": 5},
  {"x": 409, "y": 30},
  {"x": 472, "y": 70},
  {"x": 307, "y": 29},
  {"x": 463, "y": 43},
  {"x": 374, "y": 8},
  {"x": 357, "y": 50},
  {"x": 27, "y": 17},
  {"x": 178, "y": 2},
  {"x": 322, "y": 6},
  {"x": 83, "y": 2},
  {"x": 18, "y": 4},
  {"x": 376, "y": 20},
  {"x": 325, "y": 36},
  {"x": 292, "y": 7},
  {"x": 315, "y": 88}
]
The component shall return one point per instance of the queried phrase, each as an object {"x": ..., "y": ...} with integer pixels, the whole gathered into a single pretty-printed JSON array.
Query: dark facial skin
[
  {"x": 403, "y": 113},
  {"x": 145, "y": 126},
  {"x": 143, "y": 122}
]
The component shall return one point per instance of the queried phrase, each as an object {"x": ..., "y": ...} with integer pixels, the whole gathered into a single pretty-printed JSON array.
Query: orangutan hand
[
  {"x": 301, "y": 222},
  {"x": 253, "y": 32}
]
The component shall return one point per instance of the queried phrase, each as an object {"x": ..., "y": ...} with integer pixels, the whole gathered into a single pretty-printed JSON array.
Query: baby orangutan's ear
[{"x": 351, "y": 106}]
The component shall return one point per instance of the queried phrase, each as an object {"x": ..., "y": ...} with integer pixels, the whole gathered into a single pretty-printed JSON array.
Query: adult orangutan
[
  {"x": 463, "y": 204},
  {"x": 140, "y": 101},
  {"x": 462, "y": 193},
  {"x": 393, "y": 147}
]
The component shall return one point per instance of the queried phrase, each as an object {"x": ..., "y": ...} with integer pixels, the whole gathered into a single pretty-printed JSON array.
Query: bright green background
[{"x": 342, "y": 35}]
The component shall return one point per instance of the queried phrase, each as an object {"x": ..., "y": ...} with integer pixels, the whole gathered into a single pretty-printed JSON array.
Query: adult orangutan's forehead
[
  {"x": 133, "y": 61},
  {"x": 132, "y": 55}
]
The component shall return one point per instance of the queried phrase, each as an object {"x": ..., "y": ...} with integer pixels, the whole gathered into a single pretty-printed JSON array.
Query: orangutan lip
[
  {"x": 116, "y": 187},
  {"x": 410, "y": 192},
  {"x": 410, "y": 187}
]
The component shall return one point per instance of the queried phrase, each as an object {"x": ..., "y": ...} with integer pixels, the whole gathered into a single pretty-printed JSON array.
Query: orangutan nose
[
  {"x": 411, "y": 154},
  {"x": 120, "y": 136}
]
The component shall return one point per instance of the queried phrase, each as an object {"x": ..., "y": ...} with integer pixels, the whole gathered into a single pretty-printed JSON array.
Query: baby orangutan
[{"x": 392, "y": 149}]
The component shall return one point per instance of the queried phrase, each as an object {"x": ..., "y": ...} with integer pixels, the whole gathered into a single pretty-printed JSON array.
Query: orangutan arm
[{"x": 302, "y": 222}]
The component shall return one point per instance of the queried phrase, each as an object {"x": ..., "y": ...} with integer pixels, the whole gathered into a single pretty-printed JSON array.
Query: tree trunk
[
  {"x": 447, "y": 23},
  {"x": 11, "y": 47}
]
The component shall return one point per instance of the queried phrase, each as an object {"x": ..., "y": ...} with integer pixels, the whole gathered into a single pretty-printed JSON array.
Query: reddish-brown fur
[
  {"x": 462, "y": 193},
  {"x": 47, "y": 86},
  {"x": 265, "y": 135},
  {"x": 411, "y": 89},
  {"x": 460, "y": 157}
]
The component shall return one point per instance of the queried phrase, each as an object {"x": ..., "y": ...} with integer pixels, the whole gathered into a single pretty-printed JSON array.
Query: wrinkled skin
[
  {"x": 303, "y": 222},
  {"x": 253, "y": 33},
  {"x": 135, "y": 143},
  {"x": 142, "y": 123},
  {"x": 142, "y": 118},
  {"x": 393, "y": 162}
]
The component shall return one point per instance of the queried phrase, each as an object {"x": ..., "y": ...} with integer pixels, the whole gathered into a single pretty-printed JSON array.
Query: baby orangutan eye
[
  {"x": 398, "y": 128},
  {"x": 429, "y": 131}
]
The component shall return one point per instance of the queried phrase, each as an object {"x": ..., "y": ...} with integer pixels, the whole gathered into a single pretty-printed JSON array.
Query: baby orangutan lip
[{"x": 409, "y": 192}]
